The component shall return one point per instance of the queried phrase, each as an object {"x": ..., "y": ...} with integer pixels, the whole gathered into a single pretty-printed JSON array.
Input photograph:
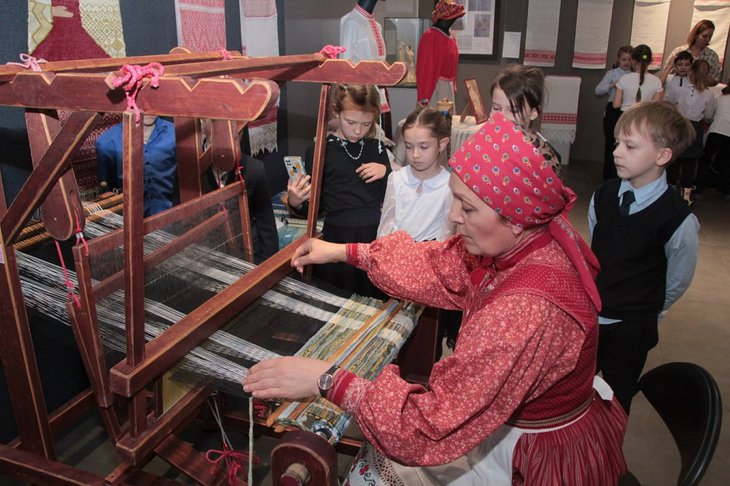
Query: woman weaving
[{"x": 515, "y": 403}]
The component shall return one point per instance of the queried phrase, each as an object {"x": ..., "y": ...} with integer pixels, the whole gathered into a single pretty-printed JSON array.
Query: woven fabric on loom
[
  {"x": 591, "y": 33},
  {"x": 201, "y": 24},
  {"x": 719, "y": 12},
  {"x": 291, "y": 318},
  {"x": 649, "y": 26},
  {"x": 542, "y": 32},
  {"x": 260, "y": 37}
]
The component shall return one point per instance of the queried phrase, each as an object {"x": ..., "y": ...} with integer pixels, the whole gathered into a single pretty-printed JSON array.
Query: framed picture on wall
[
  {"x": 476, "y": 31},
  {"x": 475, "y": 100}
]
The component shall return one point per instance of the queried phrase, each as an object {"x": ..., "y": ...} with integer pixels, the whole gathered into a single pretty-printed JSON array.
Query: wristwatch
[{"x": 326, "y": 380}]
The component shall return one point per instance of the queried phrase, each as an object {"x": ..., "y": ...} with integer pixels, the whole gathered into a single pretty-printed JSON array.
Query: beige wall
[{"x": 311, "y": 24}]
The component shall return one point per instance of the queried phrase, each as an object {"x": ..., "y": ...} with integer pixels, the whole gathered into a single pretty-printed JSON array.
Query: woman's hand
[
  {"x": 298, "y": 190},
  {"x": 318, "y": 251},
  {"x": 291, "y": 378},
  {"x": 371, "y": 172}
]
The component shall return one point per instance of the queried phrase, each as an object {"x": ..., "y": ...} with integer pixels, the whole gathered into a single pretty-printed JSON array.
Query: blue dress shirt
[{"x": 160, "y": 164}]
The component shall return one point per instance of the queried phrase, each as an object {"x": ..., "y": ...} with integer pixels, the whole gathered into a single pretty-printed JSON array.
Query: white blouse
[{"x": 420, "y": 208}]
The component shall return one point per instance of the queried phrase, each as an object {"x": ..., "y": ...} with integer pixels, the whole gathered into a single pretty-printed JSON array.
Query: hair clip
[{"x": 644, "y": 57}]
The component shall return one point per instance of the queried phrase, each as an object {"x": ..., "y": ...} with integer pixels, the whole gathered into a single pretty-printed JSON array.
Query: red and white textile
[
  {"x": 542, "y": 32},
  {"x": 719, "y": 12},
  {"x": 438, "y": 59},
  {"x": 591, "y": 34},
  {"x": 260, "y": 37},
  {"x": 649, "y": 26},
  {"x": 362, "y": 37},
  {"x": 78, "y": 29},
  {"x": 201, "y": 24},
  {"x": 61, "y": 30},
  {"x": 560, "y": 114}
]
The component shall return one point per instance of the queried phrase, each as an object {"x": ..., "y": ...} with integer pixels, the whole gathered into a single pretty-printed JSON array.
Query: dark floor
[{"x": 697, "y": 329}]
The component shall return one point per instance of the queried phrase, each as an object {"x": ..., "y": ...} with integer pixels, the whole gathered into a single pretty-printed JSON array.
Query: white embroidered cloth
[
  {"x": 260, "y": 37},
  {"x": 542, "y": 32},
  {"x": 560, "y": 115},
  {"x": 591, "y": 33},
  {"x": 649, "y": 27}
]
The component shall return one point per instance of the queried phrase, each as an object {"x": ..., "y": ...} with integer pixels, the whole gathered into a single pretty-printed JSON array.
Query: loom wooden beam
[
  {"x": 190, "y": 160},
  {"x": 54, "y": 163},
  {"x": 38, "y": 470},
  {"x": 115, "y": 238},
  {"x": 228, "y": 99},
  {"x": 133, "y": 231},
  {"x": 244, "y": 66},
  {"x": 8, "y": 72},
  {"x": 191, "y": 330},
  {"x": 133, "y": 450},
  {"x": 61, "y": 210},
  {"x": 318, "y": 160},
  {"x": 343, "y": 71}
]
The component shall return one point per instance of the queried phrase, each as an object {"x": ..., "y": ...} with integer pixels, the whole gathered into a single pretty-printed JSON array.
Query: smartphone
[{"x": 294, "y": 166}]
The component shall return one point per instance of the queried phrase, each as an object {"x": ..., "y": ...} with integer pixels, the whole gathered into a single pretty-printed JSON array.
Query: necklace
[{"x": 344, "y": 146}]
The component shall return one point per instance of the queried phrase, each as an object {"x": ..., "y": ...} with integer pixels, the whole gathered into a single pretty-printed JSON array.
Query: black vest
[{"x": 632, "y": 280}]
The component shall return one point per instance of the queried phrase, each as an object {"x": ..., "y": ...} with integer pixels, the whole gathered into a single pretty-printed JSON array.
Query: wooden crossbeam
[{"x": 227, "y": 99}]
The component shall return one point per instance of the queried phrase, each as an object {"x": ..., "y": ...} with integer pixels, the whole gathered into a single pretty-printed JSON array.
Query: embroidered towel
[
  {"x": 201, "y": 24},
  {"x": 650, "y": 27},
  {"x": 260, "y": 37},
  {"x": 542, "y": 32},
  {"x": 560, "y": 115},
  {"x": 591, "y": 33}
]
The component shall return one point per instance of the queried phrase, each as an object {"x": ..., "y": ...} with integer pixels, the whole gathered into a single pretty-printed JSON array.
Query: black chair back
[{"x": 688, "y": 400}]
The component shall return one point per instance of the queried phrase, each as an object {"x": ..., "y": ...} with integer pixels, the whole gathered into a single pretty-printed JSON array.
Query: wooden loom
[{"x": 193, "y": 86}]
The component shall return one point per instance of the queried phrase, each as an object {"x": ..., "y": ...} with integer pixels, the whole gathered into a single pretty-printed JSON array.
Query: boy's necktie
[{"x": 626, "y": 201}]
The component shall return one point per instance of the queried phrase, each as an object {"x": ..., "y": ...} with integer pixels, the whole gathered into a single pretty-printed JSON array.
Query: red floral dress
[{"x": 529, "y": 330}]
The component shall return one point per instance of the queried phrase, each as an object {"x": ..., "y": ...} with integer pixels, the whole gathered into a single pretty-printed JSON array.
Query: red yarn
[
  {"x": 131, "y": 81},
  {"x": 234, "y": 461},
  {"x": 225, "y": 53},
  {"x": 332, "y": 51},
  {"x": 69, "y": 285}
]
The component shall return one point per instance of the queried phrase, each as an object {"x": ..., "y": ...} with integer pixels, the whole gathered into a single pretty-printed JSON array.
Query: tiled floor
[{"x": 697, "y": 329}]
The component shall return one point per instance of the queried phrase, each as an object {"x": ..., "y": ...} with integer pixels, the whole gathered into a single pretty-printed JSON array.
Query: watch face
[{"x": 325, "y": 382}]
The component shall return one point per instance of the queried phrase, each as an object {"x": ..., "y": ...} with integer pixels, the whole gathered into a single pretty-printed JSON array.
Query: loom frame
[{"x": 83, "y": 88}]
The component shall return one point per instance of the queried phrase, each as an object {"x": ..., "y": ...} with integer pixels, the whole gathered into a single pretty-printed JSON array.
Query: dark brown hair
[
  {"x": 641, "y": 54},
  {"x": 524, "y": 88},
  {"x": 429, "y": 118}
]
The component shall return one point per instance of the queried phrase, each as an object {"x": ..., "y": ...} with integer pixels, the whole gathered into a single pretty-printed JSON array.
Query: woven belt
[{"x": 553, "y": 421}]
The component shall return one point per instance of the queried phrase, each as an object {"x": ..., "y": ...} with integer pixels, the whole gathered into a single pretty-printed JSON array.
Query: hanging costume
[
  {"x": 362, "y": 37},
  {"x": 438, "y": 57}
]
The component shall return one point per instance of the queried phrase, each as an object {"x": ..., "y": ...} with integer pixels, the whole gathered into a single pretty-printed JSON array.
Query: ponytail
[{"x": 642, "y": 56}]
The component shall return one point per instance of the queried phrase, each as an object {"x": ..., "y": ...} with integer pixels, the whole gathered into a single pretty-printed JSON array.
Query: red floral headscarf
[
  {"x": 510, "y": 171},
  {"x": 447, "y": 10}
]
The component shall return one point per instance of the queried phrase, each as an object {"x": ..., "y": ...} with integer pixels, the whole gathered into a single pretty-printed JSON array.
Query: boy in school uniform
[
  {"x": 680, "y": 79},
  {"x": 645, "y": 238}
]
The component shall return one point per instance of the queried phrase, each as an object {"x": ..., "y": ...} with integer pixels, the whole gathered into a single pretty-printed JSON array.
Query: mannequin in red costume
[{"x": 438, "y": 56}]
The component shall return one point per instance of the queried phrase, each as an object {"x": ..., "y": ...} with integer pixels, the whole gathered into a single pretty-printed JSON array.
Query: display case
[{"x": 402, "y": 35}]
